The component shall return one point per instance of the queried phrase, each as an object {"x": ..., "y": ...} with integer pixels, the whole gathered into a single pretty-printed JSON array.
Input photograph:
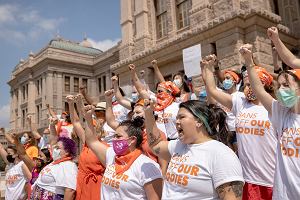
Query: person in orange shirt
[
  {"x": 90, "y": 169},
  {"x": 29, "y": 144}
]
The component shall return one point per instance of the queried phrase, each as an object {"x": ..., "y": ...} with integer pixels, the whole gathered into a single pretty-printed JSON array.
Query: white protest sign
[{"x": 191, "y": 60}]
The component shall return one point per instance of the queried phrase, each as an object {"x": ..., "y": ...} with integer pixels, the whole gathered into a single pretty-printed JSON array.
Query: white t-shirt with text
[
  {"x": 15, "y": 182},
  {"x": 130, "y": 184},
  {"x": 55, "y": 178},
  {"x": 287, "y": 172},
  {"x": 196, "y": 170},
  {"x": 256, "y": 141}
]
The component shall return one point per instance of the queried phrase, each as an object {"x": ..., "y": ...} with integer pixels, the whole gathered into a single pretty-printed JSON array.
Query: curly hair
[{"x": 69, "y": 146}]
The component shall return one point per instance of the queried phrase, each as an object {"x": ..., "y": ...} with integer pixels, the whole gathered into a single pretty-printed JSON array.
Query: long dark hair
[
  {"x": 184, "y": 79},
  {"x": 134, "y": 128},
  {"x": 212, "y": 117}
]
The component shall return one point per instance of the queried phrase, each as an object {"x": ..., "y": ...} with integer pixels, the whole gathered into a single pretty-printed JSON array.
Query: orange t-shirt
[
  {"x": 32, "y": 151},
  {"x": 90, "y": 172}
]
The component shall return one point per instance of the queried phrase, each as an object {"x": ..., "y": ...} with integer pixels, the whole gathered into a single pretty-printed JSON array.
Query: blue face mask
[
  {"x": 135, "y": 97},
  {"x": 227, "y": 84},
  {"x": 113, "y": 99},
  {"x": 23, "y": 140},
  {"x": 287, "y": 97},
  {"x": 202, "y": 95}
]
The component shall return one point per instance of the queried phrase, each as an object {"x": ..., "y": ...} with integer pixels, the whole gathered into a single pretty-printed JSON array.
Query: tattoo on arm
[
  {"x": 235, "y": 187},
  {"x": 157, "y": 150},
  {"x": 153, "y": 140}
]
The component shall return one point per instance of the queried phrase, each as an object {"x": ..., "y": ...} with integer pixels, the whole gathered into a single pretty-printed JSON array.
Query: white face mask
[
  {"x": 56, "y": 154},
  {"x": 178, "y": 82}
]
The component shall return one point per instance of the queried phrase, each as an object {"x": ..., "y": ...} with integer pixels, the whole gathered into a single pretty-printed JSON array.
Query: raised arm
[
  {"x": 210, "y": 100},
  {"x": 50, "y": 111},
  {"x": 137, "y": 83},
  {"x": 157, "y": 72},
  {"x": 284, "y": 53},
  {"x": 122, "y": 101},
  {"x": 74, "y": 117},
  {"x": 33, "y": 129},
  {"x": 155, "y": 142},
  {"x": 88, "y": 98},
  {"x": 220, "y": 96},
  {"x": 53, "y": 137},
  {"x": 22, "y": 154},
  {"x": 91, "y": 139},
  {"x": 265, "y": 98},
  {"x": 109, "y": 115}
]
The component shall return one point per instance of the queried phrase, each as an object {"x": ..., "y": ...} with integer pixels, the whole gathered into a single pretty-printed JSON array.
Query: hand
[
  {"x": 115, "y": 80},
  {"x": 273, "y": 33},
  {"x": 246, "y": 52},
  {"x": 70, "y": 99},
  {"x": 148, "y": 105},
  {"x": 154, "y": 63},
  {"x": 131, "y": 67},
  {"x": 108, "y": 94},
  {"x": 208, "y": 61},
  {"x": 53, "y": 121},
  {"x": 88, "y": 113}
]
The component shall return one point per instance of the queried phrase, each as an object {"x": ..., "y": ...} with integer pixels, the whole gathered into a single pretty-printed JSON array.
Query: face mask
[
  {"x": 134, "y": 97},
  {"x": 23, "y": 140},
  {"x": 120, "y": 146},
  {"x": 250, "y": 95},
  {"x": 113, "y": 99},
  {"x": 56, "y": 154},
  {"x": 287, "y": 97},
  {"x": 46, "y": 139},
  {"x": 177, "y": 82},
  {"x": 10, "y": 159},
  {"x": 227, "y": 84}
]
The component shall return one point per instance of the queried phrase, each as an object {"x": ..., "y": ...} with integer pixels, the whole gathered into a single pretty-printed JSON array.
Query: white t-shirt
[
  {"x": 166, "y": 121},
  {"x": 130, "y": 184},
  {"x": 256, "y": 141},
  {"x": 196, "y": 170},
  {"x": 287, "y": 173},
  {"x": 55, "y": 178},
  {"x": 15, "y": 182},
  {"x": 120, "y": 112}
]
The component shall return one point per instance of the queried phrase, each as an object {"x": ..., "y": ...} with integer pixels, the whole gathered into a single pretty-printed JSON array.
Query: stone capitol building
[{"x": 151, "y": 29}]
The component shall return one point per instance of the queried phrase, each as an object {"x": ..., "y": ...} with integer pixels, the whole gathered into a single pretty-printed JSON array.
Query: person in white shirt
[
  {"x": 129, "y": 174},
  {"x": 253, "y": 128},
  {"x": 166, "y": 107},
  {"x": 285, "y": 117},
  {"x": 17, "y": 174},
  {"x": 200, "y": 166},
  {"x": 57, "y": 180}
]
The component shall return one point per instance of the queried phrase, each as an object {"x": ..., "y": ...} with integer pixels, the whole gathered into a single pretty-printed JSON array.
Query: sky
[{"x": 29, "y": 25}]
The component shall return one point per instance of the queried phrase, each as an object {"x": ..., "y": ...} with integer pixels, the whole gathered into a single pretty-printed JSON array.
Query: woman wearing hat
[
  {"x": 165, "y": 108},
  {"x": 285, "y": 117},
  {"x": 255, "y": 135}
]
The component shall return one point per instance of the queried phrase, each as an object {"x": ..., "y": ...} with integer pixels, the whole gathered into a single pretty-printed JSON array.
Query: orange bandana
[
  {"x": 163, "y": 100},
  {"x": 122, "y": 163},
  {"x": 170, "y": 86},
  {"x": 296, "y": 72},
  {"x": 264, "y": 76},
  {"x": 233, "y": 75},
  {"x": 61, "y": 160}
]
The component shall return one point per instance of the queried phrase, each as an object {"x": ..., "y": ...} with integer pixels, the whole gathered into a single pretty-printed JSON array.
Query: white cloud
[
  {"x": 18, "y": 24},
  {"x": 103, "y": 44},
  {"x": 4, "y": 117}
]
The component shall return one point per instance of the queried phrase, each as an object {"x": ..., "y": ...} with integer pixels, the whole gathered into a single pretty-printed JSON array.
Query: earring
[{"x": 198, "y": 125}]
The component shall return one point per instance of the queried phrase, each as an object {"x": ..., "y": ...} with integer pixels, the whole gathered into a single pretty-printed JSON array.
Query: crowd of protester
[{"x": 238, "y": 138}]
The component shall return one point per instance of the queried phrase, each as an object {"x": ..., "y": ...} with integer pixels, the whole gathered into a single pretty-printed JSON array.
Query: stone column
[
  {"x": 59, "y": 92},
  {"x": 49, "y": 88},
  {"x": 19, "y": 118},
  {"x": 31, "y": 100},
  {"x": 127, "y": 29}
]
